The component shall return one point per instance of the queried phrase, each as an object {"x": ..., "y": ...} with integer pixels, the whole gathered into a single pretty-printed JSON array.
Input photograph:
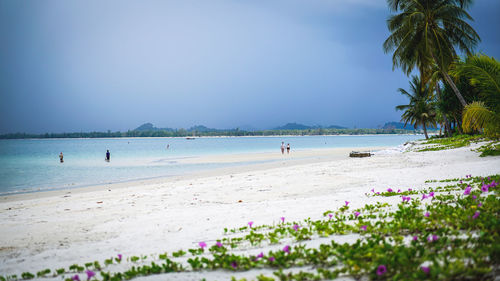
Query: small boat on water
[{"x": 190, "y": 138}]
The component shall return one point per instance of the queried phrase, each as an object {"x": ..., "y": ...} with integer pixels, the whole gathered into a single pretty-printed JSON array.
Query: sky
[{"x": 92, "y": 65}]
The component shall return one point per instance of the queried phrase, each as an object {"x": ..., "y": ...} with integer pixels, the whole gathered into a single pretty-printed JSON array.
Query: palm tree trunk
[
  {"x": 450, "y": 82},
  {"x": 454, "y": 87},
  {"x": 440, "y": 129},
  {"x": 425, "y": 131}
]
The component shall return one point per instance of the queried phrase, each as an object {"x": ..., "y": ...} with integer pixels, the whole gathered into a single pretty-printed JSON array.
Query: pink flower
[
  {"x": 90, "y": 274},
  {"x": 282, "y": 219},
  {"x": 476, "y": 215},
  {"x": 218, "y": 244},
  {"x": 373, "y": 190},
  {"x": 363, "y": 227},
  {"x": 484, "y": 188},
  {"x": 381, "y": 270},
  {"x": 432, "y": 238},
  {"x": 75, "y": 278},
  {"x": 427, "y": 214},
  {"x": 330, "y": 215},
  {"x": 474, "y": 197},
  {"x": 378, "y": 193},
  {"x": 389, "y": 190},
  {"x": 460, "y": 181},
  {"x": 415, "y": 238},
  {"x": 346, "y": 203},
  {"x": 399, "y": 190},
  {"x": 286, "y": 249},
  {"x": 426, "y": 269},
  {"x": 234, "y": 265},
  {"x": 406, "y": 198},
  {"x": 296, "y": 227},
  {"x": 356, "y": 214},
  {"x": 431, "y": 194},
  {"x": 261, "y": 255},
  {"x": 479, "y": 205},
  {"x": 202, "y": 245},
  {"x": 271, "y": 259},
  {"x": 119, "y": 257},
  {"x": 467, "y": 190},
  {"x": 250, "y": 223},
  {"x": 424, "y": 196},
  {"x": 409, "y": 189}
]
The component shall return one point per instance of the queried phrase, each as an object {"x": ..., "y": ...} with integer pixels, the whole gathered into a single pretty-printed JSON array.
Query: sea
[{"x": 32, "y": 165}]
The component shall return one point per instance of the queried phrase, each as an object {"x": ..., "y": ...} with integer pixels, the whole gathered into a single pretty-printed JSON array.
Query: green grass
[
  {"x": 435, "y": 144},
  {"x": 490, "y": 149}
]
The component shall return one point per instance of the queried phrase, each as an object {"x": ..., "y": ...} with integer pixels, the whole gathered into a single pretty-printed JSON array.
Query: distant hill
[
  {"x": 201, "y": 128},
  {"x": 296, "y": 126},
  {"x": 148, "y": 127}
]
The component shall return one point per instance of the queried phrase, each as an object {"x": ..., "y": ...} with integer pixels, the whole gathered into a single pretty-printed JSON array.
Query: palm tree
[
  {"x": 420, "y": 111},
  {"x": 483, "y": 73},
  {"x": 427, "y": 32}
]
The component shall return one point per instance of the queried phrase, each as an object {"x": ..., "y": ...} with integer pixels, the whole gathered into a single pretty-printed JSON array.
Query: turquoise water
[{"x": 33, "y": 165}]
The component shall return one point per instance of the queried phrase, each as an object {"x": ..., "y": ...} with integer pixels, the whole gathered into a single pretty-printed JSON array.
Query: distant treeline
[{"x": 186, "y": 133}]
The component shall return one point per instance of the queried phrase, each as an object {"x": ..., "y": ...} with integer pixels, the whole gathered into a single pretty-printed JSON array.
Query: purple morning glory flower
[
  {"x": 286, "y": 249},
  {"x": 282, "y": 219},
  {"x": 202, "y": 245},
  {"x": 389, "y": 190},
  {"x": 426, "y": 269},
  {"x": 346, "y": 203},
  {"x": 90, "y": 274},
  {"x": 479, "y": 205},
  {"x": 330, "y": 215},
  {"x": 474, "y": 197},
  {"x": 476, "y": 215},
  {"x": 296, "y": 227},
  {"x": 460, "y": 181},
  {"x": 75, "y": 278},
  {"x": 234, "y": 265},
  {"x": 378, "y": 193},
  {"x": 399, "y": 190},
  {"x": 363, "y": 227},
  {"x": 432, "y": 238},
  {"x": 484, "y": 188},
  {"x": 381, "y": 270},
  {"x": 431, "y": 194},
  {"x": 409, "y": 189},
  {"x": 250, "y": 223},
  {"x": 424, "y": 196},
  {"x": 218, "y": 244},
  {"x": 356, "y": 214},
  {"x": 119, "y": 257},
  {"x": 427, "y": 214},
  {"x": 415, "y": 238},
  {"x": 271, "y": 259},
  {"x": 261, "y": 255},
  {"x": 467, "y": 190},
  {"x": 373, "y": 190}
]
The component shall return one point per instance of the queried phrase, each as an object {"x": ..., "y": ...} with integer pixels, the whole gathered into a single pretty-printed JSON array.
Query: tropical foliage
[
  {"x": 464, "y": 94},
  {"x": 420, "y": 111},
  {"x": 426, "y": 32}
]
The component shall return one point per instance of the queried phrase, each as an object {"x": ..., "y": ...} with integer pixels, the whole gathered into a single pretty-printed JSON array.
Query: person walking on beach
[
  {"x": 108, "y": 155},
  {"x": 288, "y": 149},
  {"x": 61, "y": 158},
  {"x": 282, "y": 147}
]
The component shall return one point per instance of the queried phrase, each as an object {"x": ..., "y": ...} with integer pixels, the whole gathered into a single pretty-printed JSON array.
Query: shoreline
[{"x": 242, "y": 163}]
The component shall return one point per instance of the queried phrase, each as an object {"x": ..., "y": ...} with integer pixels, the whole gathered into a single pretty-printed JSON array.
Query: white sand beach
[{"x": 59, "y": 228}]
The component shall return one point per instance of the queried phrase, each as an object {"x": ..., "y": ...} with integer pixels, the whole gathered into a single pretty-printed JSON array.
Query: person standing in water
[
  {"x": 288, "y": 149},
  {"x": 282, "y": 147},
  {"x": 61, "y": 157},
  {"x": 108, "y": 155}
]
